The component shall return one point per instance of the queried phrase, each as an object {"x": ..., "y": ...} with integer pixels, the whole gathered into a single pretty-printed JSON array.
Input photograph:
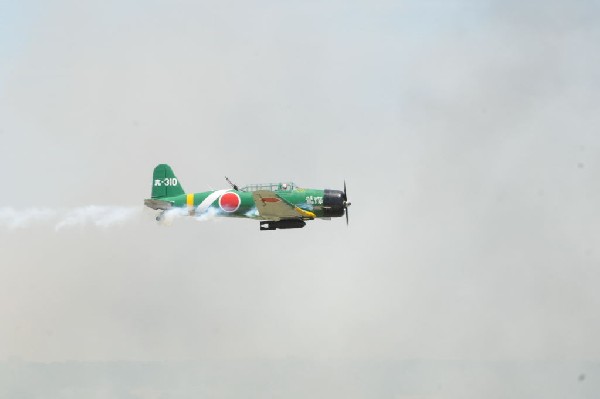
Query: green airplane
[{"x": 276, "y": 205}]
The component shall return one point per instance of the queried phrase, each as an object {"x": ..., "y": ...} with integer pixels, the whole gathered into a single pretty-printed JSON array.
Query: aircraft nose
[{"x": 333, "y": 203}]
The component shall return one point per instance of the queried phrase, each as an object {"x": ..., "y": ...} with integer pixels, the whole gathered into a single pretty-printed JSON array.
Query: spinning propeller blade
[{"x": 346, "y": 203}]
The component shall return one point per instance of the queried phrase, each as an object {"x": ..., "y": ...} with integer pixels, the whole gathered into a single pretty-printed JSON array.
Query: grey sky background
[{"x": 467, "y": 133}]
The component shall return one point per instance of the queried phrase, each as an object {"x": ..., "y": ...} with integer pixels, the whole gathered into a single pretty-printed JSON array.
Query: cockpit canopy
[{"x": 287, "y": 186}]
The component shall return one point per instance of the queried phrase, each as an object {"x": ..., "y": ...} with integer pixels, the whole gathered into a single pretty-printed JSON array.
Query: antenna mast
[{"x": 235, "y": 187}]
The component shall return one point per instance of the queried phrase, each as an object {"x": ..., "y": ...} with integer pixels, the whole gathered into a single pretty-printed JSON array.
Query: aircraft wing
[{"x": 270, "y": 206}]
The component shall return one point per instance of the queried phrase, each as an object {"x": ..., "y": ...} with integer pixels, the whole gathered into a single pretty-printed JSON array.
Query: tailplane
[{"x": 165, "y": 183}]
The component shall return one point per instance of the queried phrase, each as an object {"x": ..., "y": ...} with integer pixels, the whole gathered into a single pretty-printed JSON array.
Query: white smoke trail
[
  {"x": 92, "y": 215},
  {"x": 100, "y": 216},
  {"x": 252, "y": 213},
  {"x": 209, "y": 214},
  {"x": 172, "y": 214},
  {"x": 16, "y": 219}
]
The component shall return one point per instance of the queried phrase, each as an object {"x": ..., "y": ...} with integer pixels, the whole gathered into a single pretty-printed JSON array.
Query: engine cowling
[{"x": 333, "y": 203}]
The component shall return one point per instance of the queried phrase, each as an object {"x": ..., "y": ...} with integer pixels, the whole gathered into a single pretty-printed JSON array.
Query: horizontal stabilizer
[{"x": 158, "y": 204}]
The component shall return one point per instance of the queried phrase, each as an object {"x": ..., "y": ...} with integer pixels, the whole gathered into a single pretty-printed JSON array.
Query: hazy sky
[{"x": 467, "y": 133}]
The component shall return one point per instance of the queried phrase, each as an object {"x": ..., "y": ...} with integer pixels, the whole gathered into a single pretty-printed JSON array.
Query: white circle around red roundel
[{"x": 229, "y": 202}]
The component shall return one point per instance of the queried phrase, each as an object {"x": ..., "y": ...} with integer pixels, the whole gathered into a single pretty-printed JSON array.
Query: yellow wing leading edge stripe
[{"x": 305, "y": 213}]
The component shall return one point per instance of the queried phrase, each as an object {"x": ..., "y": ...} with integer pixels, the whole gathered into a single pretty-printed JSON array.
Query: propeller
[{"x": 346, "y": 203}]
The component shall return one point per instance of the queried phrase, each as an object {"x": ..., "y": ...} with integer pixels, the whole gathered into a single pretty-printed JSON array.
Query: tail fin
[{"x": 164, "y": 182}]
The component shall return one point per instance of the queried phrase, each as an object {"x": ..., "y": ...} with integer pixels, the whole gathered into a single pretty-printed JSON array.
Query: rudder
[{"x": 165, "y": 183}]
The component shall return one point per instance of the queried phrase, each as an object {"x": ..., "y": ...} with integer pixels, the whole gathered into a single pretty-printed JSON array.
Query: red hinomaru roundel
[{"x": 229, "y": 202}]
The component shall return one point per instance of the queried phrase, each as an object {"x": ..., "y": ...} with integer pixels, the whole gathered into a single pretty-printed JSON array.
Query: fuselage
[{"x": 238, "y": 203}]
